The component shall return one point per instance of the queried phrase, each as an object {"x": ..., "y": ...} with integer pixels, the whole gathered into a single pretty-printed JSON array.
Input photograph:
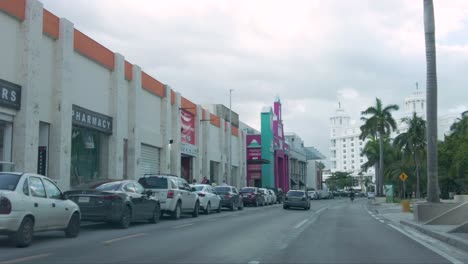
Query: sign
[
  {"x": 188, "y": 127},
  {"x": 254, "y": 154},
  {"x": 403, "y": 176},
  {"x": 188, "y": 149},
  {"x": 90, "y": 119},
  {"x": 42, "y": 160},
  {"x": 10, "y": 95}
]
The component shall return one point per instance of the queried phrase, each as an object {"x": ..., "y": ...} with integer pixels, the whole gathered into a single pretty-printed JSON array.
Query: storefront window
[
  {"x": 87, "y": 155},
  {"x": 5, "y": 146}
]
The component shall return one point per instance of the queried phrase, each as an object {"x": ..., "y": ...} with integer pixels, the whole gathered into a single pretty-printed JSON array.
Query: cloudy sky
[{"x": 311, "y": 53}]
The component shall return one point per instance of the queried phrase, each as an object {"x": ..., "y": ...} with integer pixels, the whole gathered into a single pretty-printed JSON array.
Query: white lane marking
[
  {"x": 301, "y": 223},
  {"x": 122, "y": 238},
  {"x": 382, "y": 221},
  {"x": 253, "y": 262},
  {"x": 19, "y": 260},
  {"x": 430, "y": 247},
  {"x": 180, "y": 226},
  {"x": 321, "y": 210},
  {"x": 369, "y": 212}
]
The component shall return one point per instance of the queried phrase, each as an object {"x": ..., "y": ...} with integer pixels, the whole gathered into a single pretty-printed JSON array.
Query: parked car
[
  {"x": 208, "y": 198},
  {"x": 174, "y": 193},
  {"x": 31, "y": 203},
  {"x": 370, "y": 195},
  {"x": 116, "y": 201},
  {"x": 252, "y": 196},
  {"x": 313, "y": 195},
  {"x": 268, "y": 197},
  {"x": 279, "y": 194},
  {"x": 296, "y": 198},
  {"x": 230, "y": 197},
  {"x": 323, "y": 194},
  {"x": 273, "y": 196}
]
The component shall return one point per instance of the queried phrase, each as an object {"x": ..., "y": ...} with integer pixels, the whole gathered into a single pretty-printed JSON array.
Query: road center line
[
  {"x": 253, "y": 262},
  {"x": 122, "y": 238},
  {"x": 19, "y": 260},
  {"x": 321, "y": 210},
  {"x": 382, "y": 221},
  {"x": 180, "y": 226},
  {"x": 301, "y": 223}
]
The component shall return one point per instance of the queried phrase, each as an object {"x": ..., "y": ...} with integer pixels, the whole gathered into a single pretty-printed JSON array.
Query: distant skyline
[{"x": 311, "y": 53}]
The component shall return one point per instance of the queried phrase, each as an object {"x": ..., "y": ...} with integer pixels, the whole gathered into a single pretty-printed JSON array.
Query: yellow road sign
[{"x": 403, "y": 176}]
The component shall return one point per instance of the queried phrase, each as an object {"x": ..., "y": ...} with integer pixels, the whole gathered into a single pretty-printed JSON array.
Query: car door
[
  {"x": 148, "y": 203},
  {"x": 59, "y": 212},
  {"x": 184, "y": 194},
  {"x": 214, "y": 198},
  {"x": 39, "y": 205},
  {"x": 236, "y": 196},
  {"x": 136, "y": 199},
  {"x": 191, "y": 196}
]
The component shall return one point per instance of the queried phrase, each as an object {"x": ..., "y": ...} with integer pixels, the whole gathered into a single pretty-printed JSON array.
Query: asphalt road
[{"x": 333, "y": 231}]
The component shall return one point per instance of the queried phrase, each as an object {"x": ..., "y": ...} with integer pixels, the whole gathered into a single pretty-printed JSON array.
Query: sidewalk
[{"x": 393, "y": 213}]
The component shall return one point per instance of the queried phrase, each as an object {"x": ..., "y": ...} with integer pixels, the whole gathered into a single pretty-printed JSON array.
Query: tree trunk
[
  {"x": 431, "y": 110},
  {"x": 376, "y": 169},
  {"x": 381, "y": 176},
  {"x": 418, "y": 188}
]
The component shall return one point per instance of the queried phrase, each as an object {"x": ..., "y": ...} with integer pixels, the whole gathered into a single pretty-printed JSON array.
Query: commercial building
[
  {"x": 314, "y": 176},
  {"x": 77, "y": 112},
  {"x": 297, "y": 161}
]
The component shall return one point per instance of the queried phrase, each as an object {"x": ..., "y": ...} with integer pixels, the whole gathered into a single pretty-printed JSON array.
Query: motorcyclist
[{"x": 351, "y": 195}]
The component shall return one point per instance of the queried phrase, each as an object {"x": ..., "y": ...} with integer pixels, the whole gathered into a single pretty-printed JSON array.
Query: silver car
[{"x": 297, "y": 198}]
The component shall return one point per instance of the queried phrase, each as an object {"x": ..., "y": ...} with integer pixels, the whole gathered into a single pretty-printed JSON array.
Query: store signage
[
  {"x": 188, "y": 127},
  {"x": 87, "y": 118},
  {"x": 10, "y": 95},
  {"x": 42, "y": 160},
  {"x": 254, "y": 154},
  {"x": 188, "y": 149}
]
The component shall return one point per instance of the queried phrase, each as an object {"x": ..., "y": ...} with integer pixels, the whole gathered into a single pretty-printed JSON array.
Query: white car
[
  {"x": 273, "y": 196},
  {"x": 268, "y": 197},
  {"x": 31, "y": 203},
  {"x": 174, "y": 193},
  {"x": 208, "y": 199}
]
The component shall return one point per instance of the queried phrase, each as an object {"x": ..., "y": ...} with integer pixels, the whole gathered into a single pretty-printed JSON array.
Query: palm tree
[
  {"x": 412, "y": 143},
  {"x": 431, "y": 86},
  {"x": 371, "y": 151},
  {"x": 380, "y": 124}
]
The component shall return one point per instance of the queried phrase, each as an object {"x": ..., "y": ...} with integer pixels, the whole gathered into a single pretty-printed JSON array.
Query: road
[{"x": 333, "y": 231}]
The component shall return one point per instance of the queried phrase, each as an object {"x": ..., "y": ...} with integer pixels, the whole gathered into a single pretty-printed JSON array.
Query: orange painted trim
[
  {"x": 15, "y": 8},
  {"x": 152, "y": 85},
  {"x": 235, "y": 131},
  {"x": 188, "y": 106},
  {"x": 172, "y": 97},
  {"x": 91, "y": 49},
  {"x": 128, "y": 71},
  {"x": 50, "y": 24},
  {"x": 215, "y": 120}
]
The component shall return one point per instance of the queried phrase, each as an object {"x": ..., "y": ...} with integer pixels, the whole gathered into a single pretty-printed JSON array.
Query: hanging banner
[{"x": 188, "y": 127}]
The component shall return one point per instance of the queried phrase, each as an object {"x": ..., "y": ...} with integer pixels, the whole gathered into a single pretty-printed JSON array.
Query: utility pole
[{"x": 230, "y": 137}]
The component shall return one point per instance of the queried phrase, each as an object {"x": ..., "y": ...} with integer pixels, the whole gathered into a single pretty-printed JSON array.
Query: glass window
[
  {"x": 9, "y": 181},
  {"x": 344, "y": 156},
  {"x": 109, "y": 186},
  {"x": 360, "y": 143},
  {"x": 345, "y": 167},
  {"x": 129, "y": 187},
  {"x": 352, "y": 144},
  {"x": 221, "y": 189},
  {"x": 36, "y": 187},
  {"x": 154, "y": 182},
  {"x": 344, "y": 150},
  {"x": 352, "y": 150},
  {"x": 52, "y": 191},
  {"x": 26, "y": 187},
  {"x": 139, "y": 188},
  {"x": 199, "y": 188},
  {"x": 344, "y": 162}
]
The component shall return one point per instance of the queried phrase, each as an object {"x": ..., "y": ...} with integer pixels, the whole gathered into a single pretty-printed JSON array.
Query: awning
[
  {"x": 260, "y": 161},
  {"x": 293, "y": 181}
]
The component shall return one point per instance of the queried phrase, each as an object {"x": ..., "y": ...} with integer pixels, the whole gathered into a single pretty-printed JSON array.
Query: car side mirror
[
  {"x": 193, "y": 189},
  {"x": 64, "y": 196},
  {"x": 149, "y": 192}
]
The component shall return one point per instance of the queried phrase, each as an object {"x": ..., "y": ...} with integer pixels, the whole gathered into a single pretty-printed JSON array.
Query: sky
[{"x": 311, "y": 53}]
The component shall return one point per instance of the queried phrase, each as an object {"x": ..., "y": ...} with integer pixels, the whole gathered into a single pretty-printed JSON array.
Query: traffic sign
[{"x": 403, "y": 176}]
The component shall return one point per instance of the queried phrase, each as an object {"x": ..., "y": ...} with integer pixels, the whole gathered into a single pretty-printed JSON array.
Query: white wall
[
  {"x": 91, "y": 85},
  {"x": 46, "y": 78},
  {"x": 214, "y": 153},
  {"x": 9, "y": 53},
  {"x": 149, "y": 118}
]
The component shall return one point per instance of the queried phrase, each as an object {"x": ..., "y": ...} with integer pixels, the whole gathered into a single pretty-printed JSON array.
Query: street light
[{"x": 230, "y": 135}]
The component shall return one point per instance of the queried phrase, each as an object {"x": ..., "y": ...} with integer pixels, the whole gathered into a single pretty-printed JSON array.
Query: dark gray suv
[{"x": 297, "y": 198}]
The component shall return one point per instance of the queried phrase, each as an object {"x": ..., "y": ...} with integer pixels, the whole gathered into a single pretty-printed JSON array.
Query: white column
[
  {"x": 61, "y": 127},
  {"x": 176, "y": 134},
  {"x": 222, "y": 175},
  {"x": 206, "y": 144},
  {"x": 134, "y": 142},
  {"x": 116, "y": 140},
  {"x": 198, "y": 161},
  {"x": 166, "y": 132},
  {"x": 26, "y": 123}
]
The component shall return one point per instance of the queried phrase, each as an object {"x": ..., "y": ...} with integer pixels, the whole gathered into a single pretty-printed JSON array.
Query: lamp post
[{"x": 230, "y": 136}]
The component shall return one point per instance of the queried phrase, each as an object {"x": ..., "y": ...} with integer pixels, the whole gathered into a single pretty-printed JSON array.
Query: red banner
[{"x": 188, "y": 127}]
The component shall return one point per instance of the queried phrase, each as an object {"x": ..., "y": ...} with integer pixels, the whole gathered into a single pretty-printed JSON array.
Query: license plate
[{"x": 83, "y": 199}]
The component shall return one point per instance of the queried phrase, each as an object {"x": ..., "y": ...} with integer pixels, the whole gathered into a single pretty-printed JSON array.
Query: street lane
[{"x": 332, "y": 231}]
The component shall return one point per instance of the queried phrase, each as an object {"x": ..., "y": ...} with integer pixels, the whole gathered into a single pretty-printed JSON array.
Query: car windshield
[
  {"x": 247, "y": 190},
  {"x": 109, "y": 186},
  {"x": 222, "y": 189},
  {"x": 154, "y": 182},
  {"x": 9, "y": 181},
  {"x": 295, "y": 193},
  {"x": 199, "y": 187}
]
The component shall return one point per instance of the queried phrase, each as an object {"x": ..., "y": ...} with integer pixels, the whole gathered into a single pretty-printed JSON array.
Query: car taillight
[
  {"x": 170, "y": 194},
  {"x": 201, "y": 194},
  {"x": 5, "y": 206},
  {"x": 227, "y": 195}
]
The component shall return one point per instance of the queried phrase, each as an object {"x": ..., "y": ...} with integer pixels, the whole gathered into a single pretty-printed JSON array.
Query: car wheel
[
  {"x": 256, "y": 203},
  {"x": 219, "y": 208},
  {"x": 208, "y": 209},
  {"x": 285, "y": 207},
  {"x": 156, "y": 215},
  {"x": 241, "y": 206},
  {"x": 232, "y": 206},
  {"x": 177, "y": 212},
  {"x": 196, "y": 209},
  {"x": 73, "y": 227},
  {"x": 126, "y": 218},
  {"x": 24, "y": 236}
]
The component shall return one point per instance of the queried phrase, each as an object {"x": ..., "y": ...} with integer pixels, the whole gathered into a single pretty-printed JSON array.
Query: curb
[{"x": 453, "y": 241}]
